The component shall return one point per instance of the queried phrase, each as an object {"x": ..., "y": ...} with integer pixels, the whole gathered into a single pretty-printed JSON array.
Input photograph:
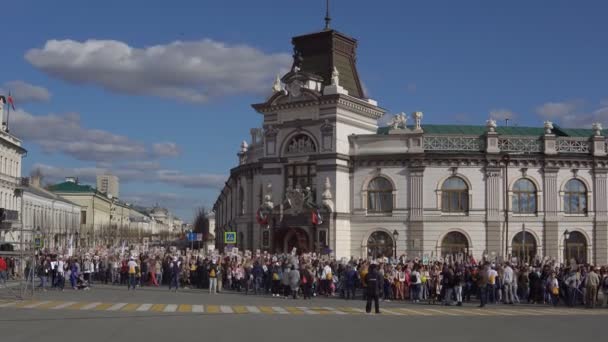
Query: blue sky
[{"x": 159, "y": 92}]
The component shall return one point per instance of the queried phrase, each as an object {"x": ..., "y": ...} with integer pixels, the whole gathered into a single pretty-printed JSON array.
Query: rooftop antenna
[{"x": 327, "y": 17}]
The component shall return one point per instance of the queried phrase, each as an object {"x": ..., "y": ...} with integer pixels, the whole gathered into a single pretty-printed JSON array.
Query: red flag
[
  {"x": 10, "y": 101},
  {"x": 316, "y": 217}
]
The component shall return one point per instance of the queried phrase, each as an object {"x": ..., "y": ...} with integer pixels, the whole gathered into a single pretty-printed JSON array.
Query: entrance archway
[
  {"x": 454, "y": 243},
  {"x": 575, "y": 247},
  {"x": 286, "y": 239},
  {"x": 380, "y": 244},
  {"x": 524, "y": 247}
]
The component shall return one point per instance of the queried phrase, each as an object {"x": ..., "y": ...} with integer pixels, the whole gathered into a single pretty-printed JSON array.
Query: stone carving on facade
[
  {"x": 418, "y": 120},
  {"x": 297, "y": 200},
  {"x": 294, "y": 198},
  {"x": 271, "y": 131},
  {"x": 277, "y": 86},
  {"x": 335, "y": 77},
  {"x": 244, "y": 147},
  {"x": 257, "y": 135},
  {"x": 294, "y": 88},
  {"x": 301, "y": 144},
  {"x": 243, "y": 153},
  {"x": 326, "y": 197},
  {"x": 398, "y": 121},
  {"x": 297, "y": 61},
  {"x": 491, "y": 125},
  {"x": 597, "y": 129},
  {"x": 548, "y": 127}
]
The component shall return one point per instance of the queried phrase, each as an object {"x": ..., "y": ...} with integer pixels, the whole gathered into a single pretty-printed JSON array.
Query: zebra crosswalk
[{"x": 422, "y": 311}]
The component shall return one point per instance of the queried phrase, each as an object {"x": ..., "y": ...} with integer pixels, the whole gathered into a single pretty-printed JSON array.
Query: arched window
[
  {"x": 380, "y": 244},
  {"x": 380, "y": 196},
  {"x": 454, "y": 195},
  {"x": 241, "y": 201},
  {"x": 524, "y": 247},
  {"x": 524, "y": 197},
  {"x": 453, "y": 244},
  {"x": 575, "y": 247},
  {"x": 575, "y": 197}
]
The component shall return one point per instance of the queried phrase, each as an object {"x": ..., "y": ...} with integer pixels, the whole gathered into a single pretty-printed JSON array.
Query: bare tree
[{"x": 201, "y": 222}]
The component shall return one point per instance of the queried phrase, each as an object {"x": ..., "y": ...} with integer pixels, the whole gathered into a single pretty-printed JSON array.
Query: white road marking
[
  {"x": 280, "y": 310},
  {"x": 307, "y": 310},
  {"x": 226, "y": 309},
  {"x": 253, "y": 309},
  {"x": 391, "y": 312},
  {"x": 197, "y": 308},
  {"x": 335, "y": 311},
  {"x": 144, "y": 307},
  {"x": 6, "y": 305},
  {"x": 170, "y": 308},
  {"x": 90, "y": 306},
  {"x": 33, "y": 305},
  {"x": 117, "y": 306},
  {"x": 64, "y": 305}
]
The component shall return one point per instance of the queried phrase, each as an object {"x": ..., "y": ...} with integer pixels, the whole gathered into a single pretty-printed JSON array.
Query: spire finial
[{"x": 327, "y": 17}]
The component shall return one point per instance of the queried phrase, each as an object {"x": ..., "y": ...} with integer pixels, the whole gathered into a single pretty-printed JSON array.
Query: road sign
[
  {"x": 230, "y": 237},
  {"x": 191, "y": 236},
  {"x": 38, "y": 242}
]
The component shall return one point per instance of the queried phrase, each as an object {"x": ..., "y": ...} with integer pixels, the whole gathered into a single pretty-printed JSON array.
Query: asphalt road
[{"x": 82, "y": 322}]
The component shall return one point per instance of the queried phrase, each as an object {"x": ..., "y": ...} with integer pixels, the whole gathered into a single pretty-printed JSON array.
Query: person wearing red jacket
[{"x": 2, "y": 272}]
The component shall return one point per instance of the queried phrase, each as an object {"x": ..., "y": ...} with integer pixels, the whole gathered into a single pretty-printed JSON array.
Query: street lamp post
[
  {"x": 566, "y": 250},
  {"x": 395, "y": 237},
  {"x": 524, "y": 254}
]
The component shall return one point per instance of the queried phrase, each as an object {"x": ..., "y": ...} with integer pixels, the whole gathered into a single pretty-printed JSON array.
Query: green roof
[
  {"x": 71, "y": 187},
  {"x": 509, "y": 130}
]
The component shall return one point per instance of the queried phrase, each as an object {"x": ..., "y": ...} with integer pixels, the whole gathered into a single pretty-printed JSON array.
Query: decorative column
[
  {"x": 600, "y": 192},
  {"x": 491, "y": 137},
  {"x": 551, "y": 231},
  {"x": 416, "y": 204},
  {"x": 493, "y": 192},
  {"x": 550, "y": 141},
  {"x": 598, "y": 141}
]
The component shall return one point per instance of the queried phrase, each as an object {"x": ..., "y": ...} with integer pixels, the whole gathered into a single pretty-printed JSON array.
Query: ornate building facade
[
  {"x": 11, "y": 189},
  {"x": 320, "y": 175}
]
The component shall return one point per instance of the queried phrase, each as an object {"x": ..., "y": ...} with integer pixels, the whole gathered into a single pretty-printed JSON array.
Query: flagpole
[{"x": 8, "y": 111}]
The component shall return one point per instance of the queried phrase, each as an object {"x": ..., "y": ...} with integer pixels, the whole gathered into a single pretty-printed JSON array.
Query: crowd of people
[{"x": 307, "y": 276}]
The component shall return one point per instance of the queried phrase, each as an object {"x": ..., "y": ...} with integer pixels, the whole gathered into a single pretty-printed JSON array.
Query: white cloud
[
  {"x": 129, "y": 172},
  {"x": 558, "y": 110},
  {"x": 65, "y": 134},
  {"x": 201, "y": 180},
  {"x": 23, "y": 92},
  {"x": 574, "y": 113},
  {"x": 187, "y": 71},
  {"x": 502, "y": 114},
  {"x": 166, "y": 149}
]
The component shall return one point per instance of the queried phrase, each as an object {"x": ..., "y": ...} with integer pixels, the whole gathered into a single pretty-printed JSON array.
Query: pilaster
[
  {"x": 600, "y": 191},
  {"x": 599, "y": 146},
  {"x": 493, "y": 226},
  {"x": 551, "y": 231},
  {"x": 415, "y": 228}
]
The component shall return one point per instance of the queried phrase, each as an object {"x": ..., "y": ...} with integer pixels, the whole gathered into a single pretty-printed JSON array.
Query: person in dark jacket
[
  {"x": 351, "y": 278},
  {"x": 373, "y": 281},
  {"x": 258, "y": 278}
]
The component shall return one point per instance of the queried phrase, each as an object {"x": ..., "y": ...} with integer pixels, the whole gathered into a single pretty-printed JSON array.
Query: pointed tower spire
[{"x": 327, "y": 17}]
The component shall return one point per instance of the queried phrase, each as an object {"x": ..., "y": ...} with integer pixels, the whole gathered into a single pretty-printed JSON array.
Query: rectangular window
[
  {"x": 266, "y": 238},
  {"x": 301, "y": 176},
  {"x": 322, "y": 238},
  {"x": 83, "y": 217}
]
